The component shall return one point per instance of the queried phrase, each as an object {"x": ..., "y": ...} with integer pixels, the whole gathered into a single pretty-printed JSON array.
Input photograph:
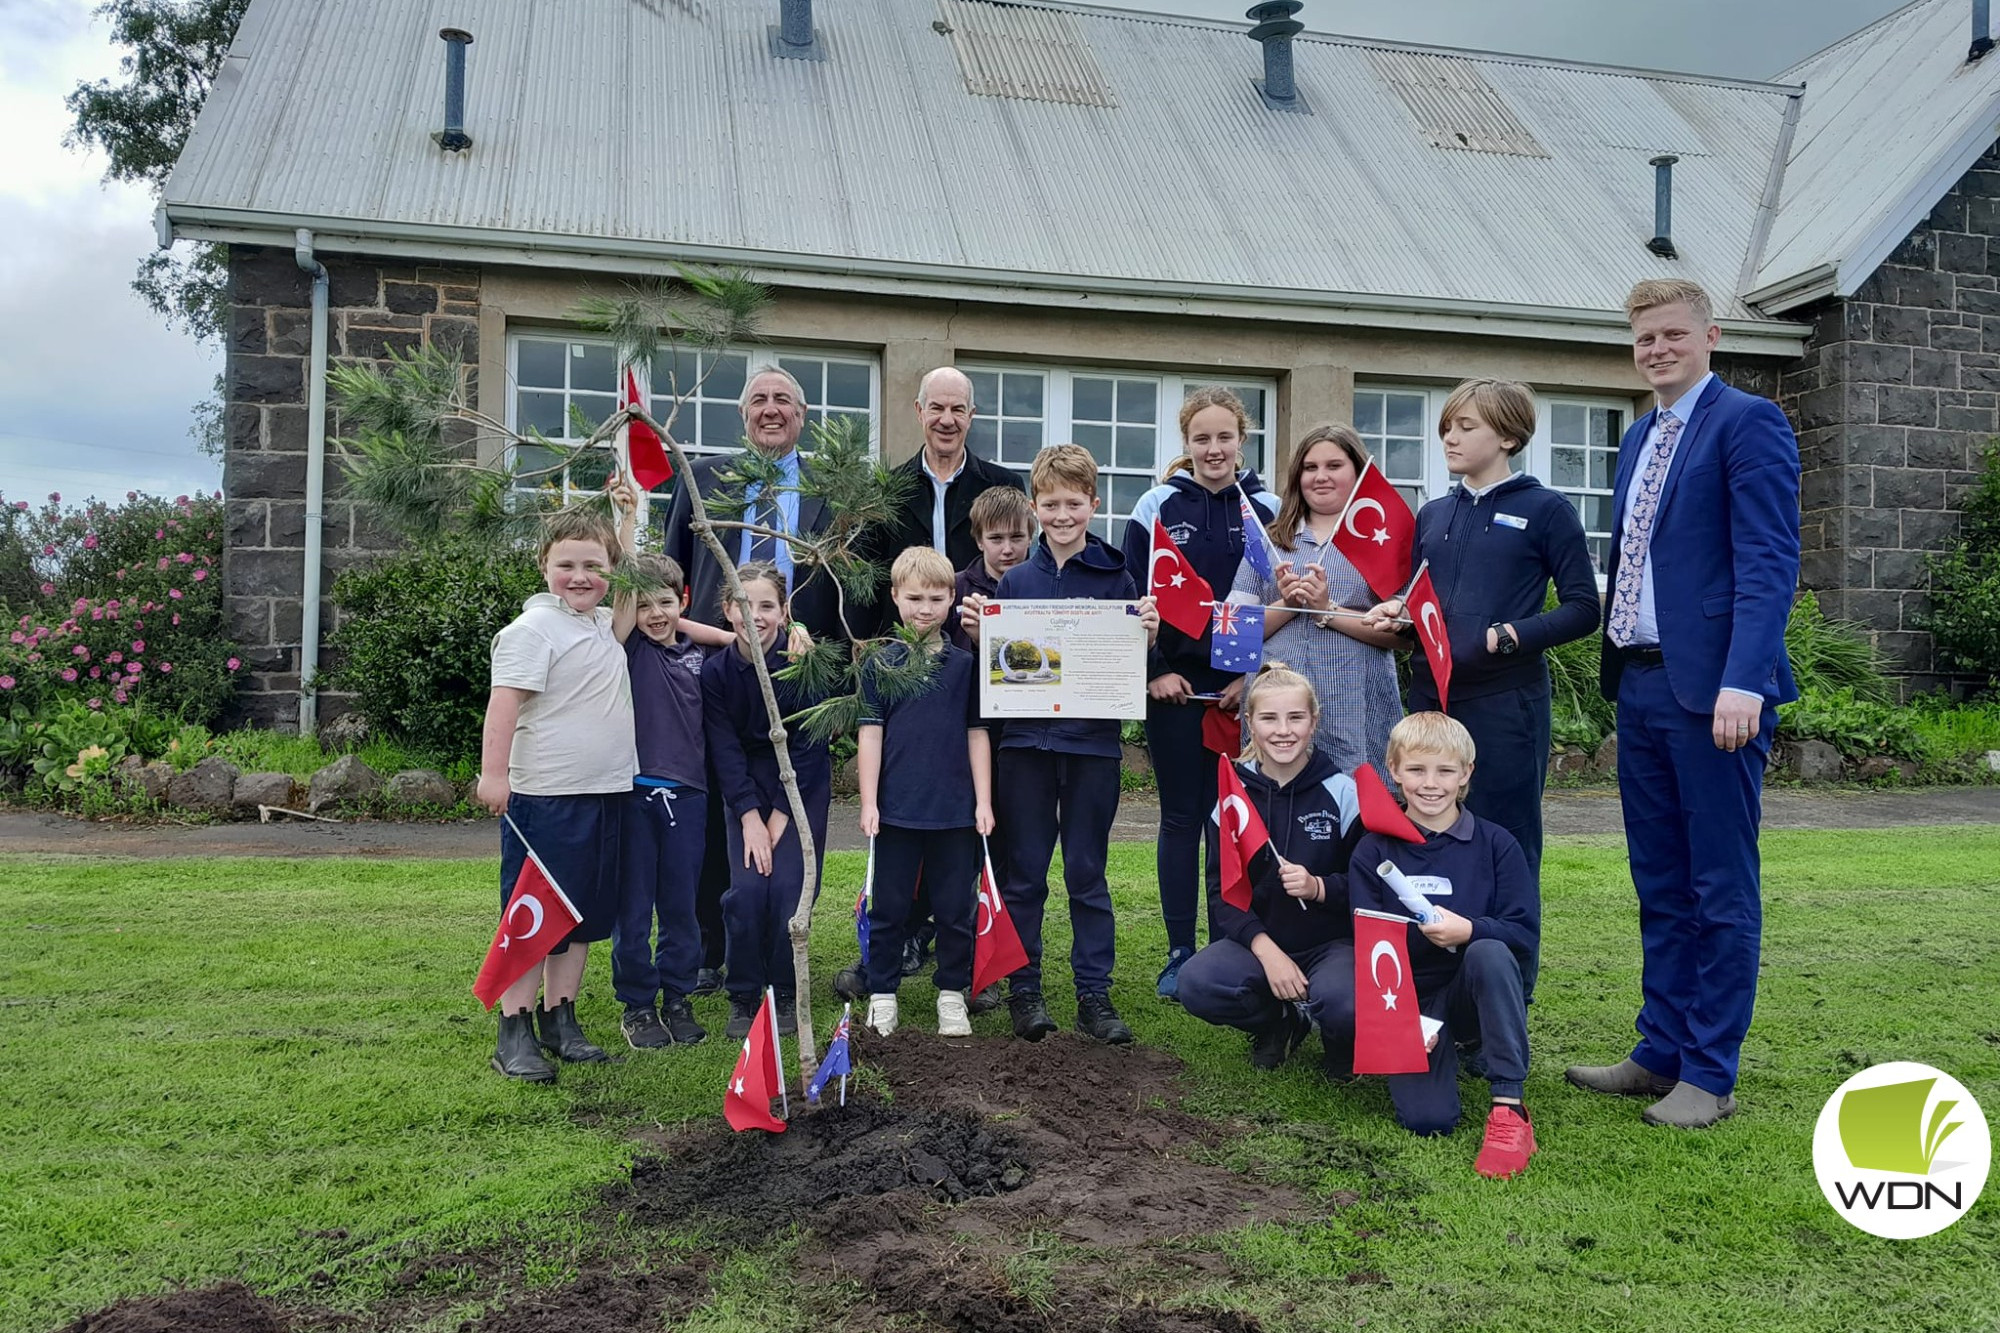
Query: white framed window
[
  {"x": 1395, "y": 423},
  {"x": 1581, "y": 440},
  {"x": 1129, "y": 420},
  {"x": 551, "y": 373}
]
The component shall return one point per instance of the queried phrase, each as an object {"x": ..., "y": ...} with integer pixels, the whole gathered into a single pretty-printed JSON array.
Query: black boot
[
  {"x": 562, "y": 1038},
  {"x": 1272, "y": 1045},
  {"x": 788, "y": 1013},
  {"x": 1096, "y": 1019},
  {"x": 849, "y": 984},
  {"x": 516, "y": 1055},
  {"x": 1031, "y": 1016}
]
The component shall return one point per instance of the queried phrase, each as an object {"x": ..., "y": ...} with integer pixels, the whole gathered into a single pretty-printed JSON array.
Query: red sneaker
[{"x": 1510, "y": 1142}]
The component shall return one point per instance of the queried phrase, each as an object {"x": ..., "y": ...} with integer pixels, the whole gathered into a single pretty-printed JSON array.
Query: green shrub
[
  {"x": 415, "y": 641},
  {"x": 1963, "y": 616},
  {"x": 1855, "y": 726}
]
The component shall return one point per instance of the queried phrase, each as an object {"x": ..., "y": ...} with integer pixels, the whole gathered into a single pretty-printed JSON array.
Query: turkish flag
[
  {"x": 1376, "y": 532},
  {"x": 1246, "y": 843},
  {"x": 644, "y": 453},
  {"x": 538, "y": 917},
  {"x": 1427, "y": 617},
  {"x": 1379, "y": 811},
  {"x": 756, "y": 1078},
  {"x": 1221, "y": 731},
  {"x": 1388, "y": 1036},
  {"x": 996, "y": 949},
  {"x": 1183, "y": 595}
]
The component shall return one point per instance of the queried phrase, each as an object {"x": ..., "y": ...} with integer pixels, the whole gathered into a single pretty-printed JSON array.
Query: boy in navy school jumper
[
  {"x": 1495, "y": 543},
  {"x": 766, "y": 861},
  {"x": 1286, "y": 964},
  {"x": 666, "y": 814},
  {"x": 1468, "y": 964},
  {"x": 1202, "y": 510},
  {"x": 1059, "y": 778},
  {"x": 556, "y": 756},
  {"x": 925, "y": 802}
]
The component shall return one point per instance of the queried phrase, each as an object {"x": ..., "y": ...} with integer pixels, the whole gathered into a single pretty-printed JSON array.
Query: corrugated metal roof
[
  {"x": 669, "y": 123},
  {"x": 1891, "y": 117}
]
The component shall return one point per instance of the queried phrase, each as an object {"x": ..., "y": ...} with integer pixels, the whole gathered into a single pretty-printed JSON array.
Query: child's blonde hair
[
  {"x": 1070, "y": 466},
  {"x": 1273, "y": 676},
  {"x": 921, "y": 567},
  {"x": 1431, "y": 733},
  {"x": 1508, "y": 407},
  {"x": 576, "y": 525},
  {"x": 1214, "y": 395},
  {"x": 1001, "y": 508}
]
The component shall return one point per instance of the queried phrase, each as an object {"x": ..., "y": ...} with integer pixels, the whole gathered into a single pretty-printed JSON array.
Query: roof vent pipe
[
  {"x": 792, "y": 36},
  {"x": 453, "y": 138},
  {"x": 1274, "y": 30},
  {"x": 1982, "y": 30},
  {"x": 1662, "y": 243}
]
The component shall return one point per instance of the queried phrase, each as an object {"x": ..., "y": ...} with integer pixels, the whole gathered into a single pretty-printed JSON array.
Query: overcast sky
[{"x": 95, "y": 392}]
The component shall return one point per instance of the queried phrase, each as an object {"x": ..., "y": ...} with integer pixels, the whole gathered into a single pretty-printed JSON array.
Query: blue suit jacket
[{"x": 1725, "y": 550}]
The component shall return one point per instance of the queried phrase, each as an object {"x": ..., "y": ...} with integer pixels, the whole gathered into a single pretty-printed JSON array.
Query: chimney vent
[
  {"x": 1274, "y": 30},
  {"x": 1982, "y": 30},
  {"x": 792, "y": 36},
  {"x": 453, "y": 138},
  {"x": 1662, "y": 243}
]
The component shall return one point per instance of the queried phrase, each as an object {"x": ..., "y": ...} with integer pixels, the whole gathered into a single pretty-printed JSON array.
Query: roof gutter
[{"x": 554, "y": 250}]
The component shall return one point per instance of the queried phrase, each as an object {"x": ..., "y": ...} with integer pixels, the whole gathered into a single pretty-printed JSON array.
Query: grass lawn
[{"x": 275, "y": 1071}]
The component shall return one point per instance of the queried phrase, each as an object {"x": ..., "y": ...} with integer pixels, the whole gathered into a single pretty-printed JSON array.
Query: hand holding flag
[
  {"x": 1376, "y": 531},
  {"x": 1181, "y": 594},
  {"x": 1388, "y": 1033},
  {"x": 539, "y": 916}
]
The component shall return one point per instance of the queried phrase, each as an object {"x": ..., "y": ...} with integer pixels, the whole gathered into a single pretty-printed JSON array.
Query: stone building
[{"x": 1090, "y": 212}]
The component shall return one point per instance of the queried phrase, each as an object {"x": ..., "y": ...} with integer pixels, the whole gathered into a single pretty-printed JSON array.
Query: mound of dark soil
[
  {"x": 747, "y": 1186},
  {"x": 230, "y": 1307},
  {"x": 971, "y": 1294}
]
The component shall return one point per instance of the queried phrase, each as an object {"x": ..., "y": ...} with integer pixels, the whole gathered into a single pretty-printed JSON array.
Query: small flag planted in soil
[
  {"x": 756, "y": 1079},
  {"x": 1246, "y": 843},
  {"x": 539, "y": 917},
  {"x": 996, "y": 950},
  {"x": 839, "y": 1062},
  {"x": 1379, "y": 811},
  {"x": 1388, "y": 1036}
]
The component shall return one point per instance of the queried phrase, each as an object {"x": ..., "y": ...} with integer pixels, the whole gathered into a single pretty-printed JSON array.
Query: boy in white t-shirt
[{"x": 557, "y": 755}]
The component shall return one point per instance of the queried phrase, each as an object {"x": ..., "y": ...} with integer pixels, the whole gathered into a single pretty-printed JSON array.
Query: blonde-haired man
[{"x": 1698, "y": 590}]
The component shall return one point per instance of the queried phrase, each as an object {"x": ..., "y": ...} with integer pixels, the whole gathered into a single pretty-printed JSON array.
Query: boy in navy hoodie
[
  {"x": 1058, "y": 778},
  {"x": 1469, "y": 961},
  {"x": 1287, "y": 963}
]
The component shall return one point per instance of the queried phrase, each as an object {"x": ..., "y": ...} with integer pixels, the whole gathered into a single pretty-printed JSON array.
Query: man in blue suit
[{"x": 1698, "y": 590}]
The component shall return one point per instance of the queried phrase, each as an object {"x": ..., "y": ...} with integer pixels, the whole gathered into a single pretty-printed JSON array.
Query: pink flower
[
  {"x": 138, "y": 645},
  {"x": 97, "y": 613},
  {"x": 81, "y": 650},
  {"x": 177, "y": 618},
  {"x": 181, "y": 500},
  {"x": 48, "y": 590},
  {"x": 159, "y": 534},
  {"x": 166, "y": 667},
  {"x": 97, "y": 703},
  {"x": 174, "y": 593},
  {"x": 69, "y": 673},
  {"x": 200, "y": 574},
  {"x": 96, "y": 671},
  {"x": 7, "y": 682},
  {"x": 55, "y": 497},
  {"x": 49, "y": 548},
  {"x": 119, "y": 574},
  {"x": 114, "y": 658},
  {"x": 81, "y": 604},
  {"x": 162, "y": 564},
  {"x": 19, "y": 637},
  {"x": 131, "y": 495},
  {"x": 185, "y": 558},
  {"x": 90, "y": 541},
  {"x": 34, "y": 657},
  {"x": 21, "y": 504},
  {"x": 235, "y": 662},
  {"x": 119, "y": 695}
]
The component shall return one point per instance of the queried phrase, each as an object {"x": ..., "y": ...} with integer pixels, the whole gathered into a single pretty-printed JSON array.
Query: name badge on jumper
[
  {"x": 1431, "y": 886},
  {"x": 1512, "y": 521}
]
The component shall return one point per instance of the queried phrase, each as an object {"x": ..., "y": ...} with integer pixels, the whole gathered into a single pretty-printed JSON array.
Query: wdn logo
[{"x": 1902, "y": 1150}]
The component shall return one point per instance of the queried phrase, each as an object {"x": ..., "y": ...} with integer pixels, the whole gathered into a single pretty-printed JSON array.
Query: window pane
[
  {"x": 1101, "y": 525},
  {"x": 1020, "y": 395},
  {"x": 588, "y": 471},
  {"x": 1368, "y": 410},
  {"x": 1601, "y": 425},
  {"x": 981, "y": 439},
  {"x": 541, "y": 412},
  {"x": 1138, "y": 400},
  {"x": 725, "y": 376},
  {"x": 532, "y": 458},
  {"x": 1602, "y": 463},
  {"x": 1253, "y": 403},
  {"x": 1405, "y": 415},
  {"x": 593, "y": 366},
  {"x": 1600, "y": 552},
  {"x": 847, "y": 385},
  {"x": 1125, "y": 493},
  {"x": 1403, "y": 459},
  {"x": 1097, "y": 439},
  {"x": 1020, "y": 441},
  {"x": 811, "y": 376},
  {"x": 1135, "y": 447},
  {"x": 985, "y": 390},
  {"x": 595, "y": 407},
  {"x": 1566, "y": 467},
  {"x": 1597, "y": 513},
  {"x": 1090, "y": 399},
  {"x": 675, "y": 371},
  {"x": 1413, "y": 496},
  {"x": 539, "y": 362},
  {"x": 721, "y": 426}
]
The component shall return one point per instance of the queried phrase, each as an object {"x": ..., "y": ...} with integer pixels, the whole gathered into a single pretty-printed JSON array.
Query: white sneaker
[
  {"x": 882, "y": 1014},
  {"x": 952, "y": 1019}
]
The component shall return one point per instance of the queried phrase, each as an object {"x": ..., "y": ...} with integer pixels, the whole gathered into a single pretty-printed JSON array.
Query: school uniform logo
[
  {"x": 1318, "y": 826},
  {"x": 1182, "y": 533},
  {"x": 1902, "y": 1150}
]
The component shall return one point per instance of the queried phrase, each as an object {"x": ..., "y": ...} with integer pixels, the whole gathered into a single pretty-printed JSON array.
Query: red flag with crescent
[
  {"x": 646, "y": 455},
  {"x": 539, "y": 916},
  {"x": 1246, "y": 843},
  {"x": 1426, "y": 615},
  {"x": 996, "y": 949},
  {"x": 756, "y": 1079},
  {"x": 1388, "y": 1032},
  {"x": 1376, "y": 532},
  {"x": 1379, "y": 811},
  {"x": 1182, "y": 595}
]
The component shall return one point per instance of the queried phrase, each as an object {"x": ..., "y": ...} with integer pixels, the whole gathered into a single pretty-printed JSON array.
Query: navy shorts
[{"x": 576, "y": 839}]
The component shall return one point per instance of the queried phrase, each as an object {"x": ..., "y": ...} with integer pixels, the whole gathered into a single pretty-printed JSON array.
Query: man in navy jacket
[{"x": 1698, "y": 591}]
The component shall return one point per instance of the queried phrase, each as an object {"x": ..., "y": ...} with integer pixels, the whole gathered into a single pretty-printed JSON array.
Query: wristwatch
[{"x": 1504, "y": 639}]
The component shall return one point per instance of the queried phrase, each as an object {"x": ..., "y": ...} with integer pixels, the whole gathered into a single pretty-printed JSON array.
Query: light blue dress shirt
[{"x": 788, "y": 512}]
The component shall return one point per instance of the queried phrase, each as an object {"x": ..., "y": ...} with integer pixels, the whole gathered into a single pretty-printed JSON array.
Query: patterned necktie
[
  {"x": 1638, "y": 536},
  {"x": 766, "y": 515}
]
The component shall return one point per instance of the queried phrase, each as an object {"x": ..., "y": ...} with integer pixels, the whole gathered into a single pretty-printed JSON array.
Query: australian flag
[
  {"x": 861, "y": 925},
  {"x": 1256, "y": 546},
  {"x": 837, "y": 1063},
  {"x": 1236, "y": 643}
]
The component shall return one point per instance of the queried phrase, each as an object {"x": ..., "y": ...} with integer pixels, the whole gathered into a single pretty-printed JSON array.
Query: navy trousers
[
  {"x": 714, "y": 879},
  {"x": 1225, "y": 984},
  {"x": 1482, "y": 1003},
  {"x": 659, "y": 874},
  {"x": 1040, "y": 796},
  {"x": 576, "y": 840},
  {"x": 948, "y": 860},
  {"x": 757, "y": 909},
  {"x": 1185, "y": 774},
  {"x": 1691, "y": 817}
]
